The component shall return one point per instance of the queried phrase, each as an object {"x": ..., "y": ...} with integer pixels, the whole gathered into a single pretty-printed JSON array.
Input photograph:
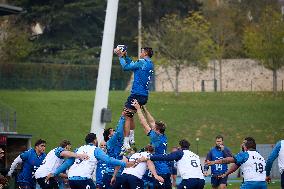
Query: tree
[
  {"x": 16, "y": 46},
  {"x": 181, "y": 42},
  {"x": 264, "y": 41},
  {"x": 222, "y": 29}
]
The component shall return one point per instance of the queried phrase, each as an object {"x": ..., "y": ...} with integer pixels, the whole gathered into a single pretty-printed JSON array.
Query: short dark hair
[
  {"x": 160, "y": 126},
  {"x": 149, "y": 148},
  {"x": 64, "y": 143},
  {"x": 106, "y": 134},
  {"x": 219, "y": 136},
  {"x": 184, "y": 144},
  {"x": 250, "y": 143},
  {"x": 39, "y": 142},
  {"x": 149, "y": 51},
  {"x": 90, "y": 138}
]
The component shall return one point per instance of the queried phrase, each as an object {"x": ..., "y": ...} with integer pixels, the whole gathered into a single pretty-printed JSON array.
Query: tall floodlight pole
[
  {"x": 139, "y": 27},
  {"x": 103, "y": 81}
]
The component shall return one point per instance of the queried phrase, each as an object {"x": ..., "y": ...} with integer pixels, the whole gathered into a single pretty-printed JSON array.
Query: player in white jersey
[
  {"x": 278, "y": 151},
  {"x": 252, "y": 165},
  {"x": 132, "y": 176},
  {"x": 188, "y": 165},
  {"x": 81, "y": 171},
  {"x": 52, "y": 161}
]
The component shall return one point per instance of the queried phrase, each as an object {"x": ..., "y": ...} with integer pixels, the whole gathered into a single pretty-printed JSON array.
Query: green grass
[
  {"x": 56, "y": 115},
  {"x": 273, "y": 185}
]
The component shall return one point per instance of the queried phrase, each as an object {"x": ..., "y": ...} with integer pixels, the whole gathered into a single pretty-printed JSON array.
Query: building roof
[{"x": 8, "y": 9}]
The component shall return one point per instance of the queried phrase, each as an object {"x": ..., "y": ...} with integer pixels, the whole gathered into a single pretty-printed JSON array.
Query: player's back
[
  {"x": 254, "y": 168},
  {"x": 51, "y": 162},
  {"x": 84, "y": 168},
  {"x": 140, "y": 169},
  {"x": 189, "y": 166}
]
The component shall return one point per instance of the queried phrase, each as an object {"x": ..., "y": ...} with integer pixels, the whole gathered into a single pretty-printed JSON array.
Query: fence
[{"x": 8, "y": 119}]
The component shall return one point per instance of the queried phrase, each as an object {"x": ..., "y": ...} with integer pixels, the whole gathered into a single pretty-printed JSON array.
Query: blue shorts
[
  {"x": 78, "y": 184},
  {"x": 215, "y": 181},
  {"x": 192, "y": 183},
  {"x": 131, "y": 182},
  {"x": 254, "y": 185},
  {"x": 142, "y": 100}
]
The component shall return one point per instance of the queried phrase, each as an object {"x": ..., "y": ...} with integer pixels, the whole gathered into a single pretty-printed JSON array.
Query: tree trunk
[
  {"x": 220, "y": 71},
  {"x": 177, "y": 81},
  {"x": 169, "y": 77},
  {"x": 274, "y": 81}
]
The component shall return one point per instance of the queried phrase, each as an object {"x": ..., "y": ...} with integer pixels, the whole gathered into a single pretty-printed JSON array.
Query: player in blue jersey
[
  {"x": 101, "y": 168},
  {"x": 218, "y": 152},
  {"x": 278, "y": 151},
  {"x": 81, "y": 170},
  {"x": 143, "y": 70},
  {"x": 114, "y": 142},
  {"x": 30, "y": 161},
  {"x": 156, "y": 131},
  {"x": 252, "y": 165}
]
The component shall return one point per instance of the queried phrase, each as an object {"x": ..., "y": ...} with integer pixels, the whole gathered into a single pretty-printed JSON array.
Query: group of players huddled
[{"x": 113, "y": 164}]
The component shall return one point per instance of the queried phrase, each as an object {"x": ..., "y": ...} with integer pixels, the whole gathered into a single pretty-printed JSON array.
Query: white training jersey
[
  {"x": 84, "y": 168},
  {"x": 189, "y": 166},
  {"x": 140, "y": 169},
  {"x": 49, "y": 164},
  {"x": 254, "y": 168},
  {"x": 281, "y": 158}
]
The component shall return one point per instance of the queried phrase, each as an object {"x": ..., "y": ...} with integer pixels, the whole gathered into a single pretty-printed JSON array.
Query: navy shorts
[
  {"x": 282, "y": 180},
  {"x": 107, "y": 179},
  {"x": 192, "y": 183},
  {"x": 142, "y": 100},
  {"x": 82, "y": 184},
  {"x": 24, "y": 185},
  {"x": 215, "y": 181},
  {"x": 131, "y": 182}
]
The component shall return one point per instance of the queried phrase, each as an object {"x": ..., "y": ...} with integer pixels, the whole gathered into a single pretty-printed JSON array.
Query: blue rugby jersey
[
  {"x": 31, "y": 162},
  {"x": 160, "y": 143},
  {"x": 114, "y": 144},
  {"x": 143, "y": 70},
  {"x": 216, "y": 154},
  {"x": 100, "y": 171}
]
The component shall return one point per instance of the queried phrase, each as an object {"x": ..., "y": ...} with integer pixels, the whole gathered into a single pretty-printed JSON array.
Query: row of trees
[
  {"x": 183, "y": 33},
  {"x": 223, "y": 29}
]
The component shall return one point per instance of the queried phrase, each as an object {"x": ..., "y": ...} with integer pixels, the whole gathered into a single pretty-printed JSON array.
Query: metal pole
[
  {"x": 197, "y": 141},
  {"x": 103, "y": 81},
  {"x": 139, "y": 27},
  {"x": 15, "y": 121}
]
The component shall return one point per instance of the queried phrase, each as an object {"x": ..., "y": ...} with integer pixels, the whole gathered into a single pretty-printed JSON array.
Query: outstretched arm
[
  {"x": 151, "y": 167},
  {"x": 221, "y": 161},
  {"x": 149, "y": 117},
  {"x": 274, "y": 154},
  {"x": 232, "y": 169},
  {"x": 127, "y": 64},
  {"x": 141, "y": 117},
  {"x": 17, "y": 161}
]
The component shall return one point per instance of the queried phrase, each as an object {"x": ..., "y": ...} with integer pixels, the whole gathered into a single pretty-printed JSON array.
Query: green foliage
[
  {"x": 181, "y": 42},
  {"x": 16, "y": 46},
  {"x": 265, "y": 41}
]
